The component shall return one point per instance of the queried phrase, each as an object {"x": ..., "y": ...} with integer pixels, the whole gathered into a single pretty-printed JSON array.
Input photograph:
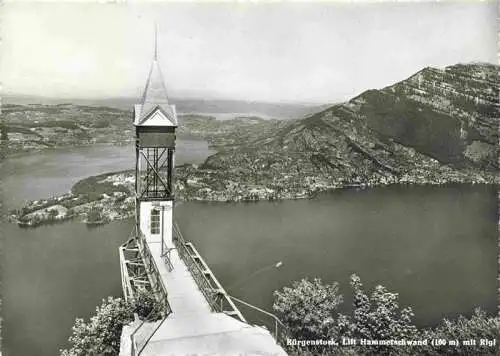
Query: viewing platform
[{"x": 200, "y": 317}]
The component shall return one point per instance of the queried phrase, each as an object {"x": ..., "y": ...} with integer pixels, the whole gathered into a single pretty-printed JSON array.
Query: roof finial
[{"x": 156, "y": 41}]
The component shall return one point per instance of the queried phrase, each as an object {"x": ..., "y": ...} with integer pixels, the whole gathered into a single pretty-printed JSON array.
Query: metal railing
[
  {"x": 209, "y": 286},
  {"x": 139, "y": 340},
  {"x": 130, "y": 246},
  {"x": 188, "y": 257},
  {"x": 128, "y": 291},
  {"x": 165, "y": 255},
  {"x": 138, "y": 343},
  {"x": 216, "y": 296},
  {"x": 153, "y": 273},
  {"x": 280, "y": 338}
]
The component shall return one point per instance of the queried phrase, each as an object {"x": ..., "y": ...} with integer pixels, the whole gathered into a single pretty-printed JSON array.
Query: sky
[{"x": 300, "y": 52}]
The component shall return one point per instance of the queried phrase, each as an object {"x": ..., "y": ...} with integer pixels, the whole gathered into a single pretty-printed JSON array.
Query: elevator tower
[{"x": 155, "y": 121}]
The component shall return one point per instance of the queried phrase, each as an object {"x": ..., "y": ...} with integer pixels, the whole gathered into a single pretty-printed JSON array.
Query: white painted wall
[
  {"x": 166, "y": 221},
  {"x": 157, "y": 119}
]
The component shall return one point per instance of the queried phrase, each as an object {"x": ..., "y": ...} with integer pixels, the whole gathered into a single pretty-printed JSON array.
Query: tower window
[{"x": 155, "y": 221}]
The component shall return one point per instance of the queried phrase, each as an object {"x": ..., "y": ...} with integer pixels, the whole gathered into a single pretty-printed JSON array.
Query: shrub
[
  {"x": 308, "y": 308},
  {"x": 379, "y": 317},
  {"x": 309, "y": 311},
  {"x": 478, "y": 326},
  {"x": 146, "y": 306},
  {"x": 101, "y": 334}
]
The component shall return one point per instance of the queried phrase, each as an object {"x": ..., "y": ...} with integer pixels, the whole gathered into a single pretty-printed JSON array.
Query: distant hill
[
  {"x": 435, "y": 126},
  {"x": 183, "y": 105}
]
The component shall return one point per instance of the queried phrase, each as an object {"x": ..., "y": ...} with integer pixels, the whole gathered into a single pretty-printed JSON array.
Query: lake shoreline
[
  {"x": 113, "y": 198},
  {"x": 418, "y": 241}
]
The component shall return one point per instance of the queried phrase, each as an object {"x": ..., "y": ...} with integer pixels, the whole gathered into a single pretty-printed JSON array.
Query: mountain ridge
[
  {"x": 371, "y": 111},
  {"x": 436, "y": 126}
]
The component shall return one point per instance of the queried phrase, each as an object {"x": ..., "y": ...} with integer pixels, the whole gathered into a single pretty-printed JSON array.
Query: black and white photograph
[{"x": 249, "y": 178}]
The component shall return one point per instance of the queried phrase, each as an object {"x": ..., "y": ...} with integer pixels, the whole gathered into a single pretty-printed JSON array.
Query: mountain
[
  {"x": 449, "y": 115},
  {"x": 439, "y": 125}
]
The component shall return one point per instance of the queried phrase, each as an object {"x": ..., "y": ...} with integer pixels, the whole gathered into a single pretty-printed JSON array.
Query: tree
[
  {"x": 479, "y": 326},
  {"x": 378, "y": 317},
  {"x": 308, "y": 309},
  {"x": 101, "y": 334}
]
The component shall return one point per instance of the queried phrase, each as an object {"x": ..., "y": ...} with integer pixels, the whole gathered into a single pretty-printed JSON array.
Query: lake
[
  {"x": 34, "y": 176},
  {"x": 435, "y": 246}
]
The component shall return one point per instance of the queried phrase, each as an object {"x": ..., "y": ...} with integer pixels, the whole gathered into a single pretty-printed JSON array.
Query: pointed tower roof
[{"x": 155, "y": 94}]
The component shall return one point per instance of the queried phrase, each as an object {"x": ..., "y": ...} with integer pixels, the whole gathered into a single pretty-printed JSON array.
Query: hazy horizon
[
  {"x": 304, "y": 53},
  {"x": 190, "y": 97},
  {"x": 134, "y": 97}
]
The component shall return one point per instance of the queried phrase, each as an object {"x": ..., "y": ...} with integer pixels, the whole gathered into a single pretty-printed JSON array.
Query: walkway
[
  {"x": 184, "y": 296},
  {"x": 192, "y": 328}
]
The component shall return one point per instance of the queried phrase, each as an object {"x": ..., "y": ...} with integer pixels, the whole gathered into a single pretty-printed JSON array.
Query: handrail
[
  {"x": 158, "y": 287},
  {"x": 155, "y": 276},
  {"x": 124, "y": 273},
  {"x": 195, "y": 270},
  {"x": 212, "y": 291},
  {"x": 277, "y": 321},
  {"x": 151, "y": 335},
  {"x": 166, "y": 255},
  {"x": 132, "y": 335},
  {"x": 132, "y": 340}
]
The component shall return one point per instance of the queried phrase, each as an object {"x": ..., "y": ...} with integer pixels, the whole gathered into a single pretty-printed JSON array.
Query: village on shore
[{"x": 101, "y": 199}]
